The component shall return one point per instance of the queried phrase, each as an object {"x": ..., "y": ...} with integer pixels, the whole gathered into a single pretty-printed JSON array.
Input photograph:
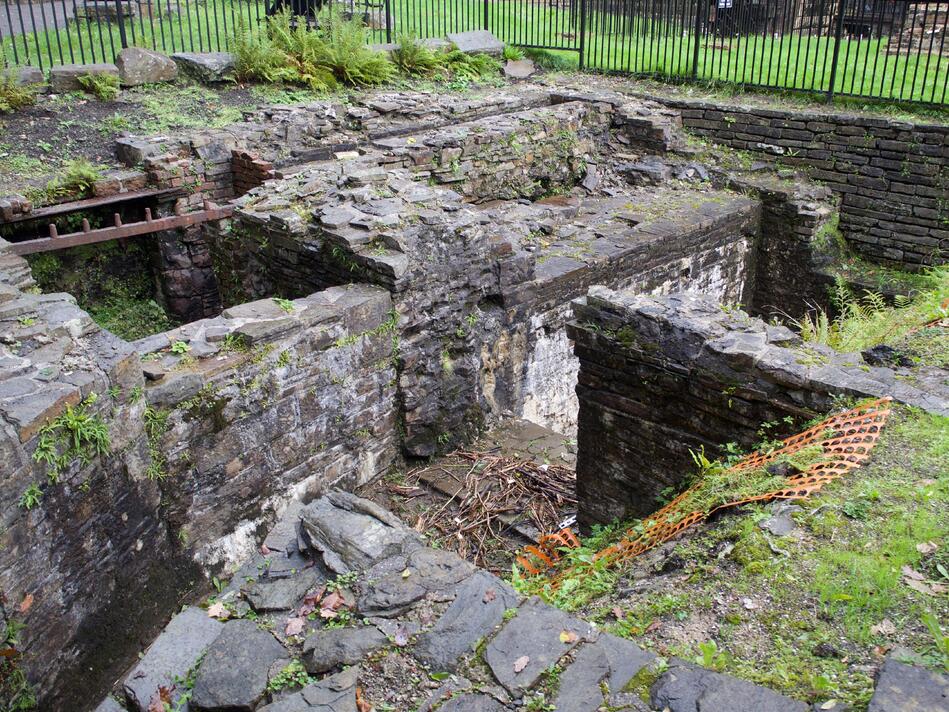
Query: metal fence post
[
  {"x": 388, "y": 11},
  {"x": 697, "y": 34},
  {"x": 485, "y": 5},
  {"x": 120, "y": 18},
  {"x": 838, "y": 33},
  {"x": 583, "y": 33}
]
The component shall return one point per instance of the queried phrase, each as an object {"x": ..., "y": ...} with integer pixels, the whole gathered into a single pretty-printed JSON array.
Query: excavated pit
[{"x": 398, "y": 275}]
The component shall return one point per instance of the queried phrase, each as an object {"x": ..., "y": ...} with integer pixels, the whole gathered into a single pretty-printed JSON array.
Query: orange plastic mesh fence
[{"x": 846, "y": 439}]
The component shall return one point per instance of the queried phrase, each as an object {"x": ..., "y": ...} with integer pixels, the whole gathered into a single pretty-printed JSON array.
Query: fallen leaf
[
  {"x": 217, "y": 610},
  {"x": 568, "y": 636},
  {"x": 331, "y": 604},
  {"x": 829, "y": 705},
  {"x": 161, "y": 698},
  {"x": 311, "y": 601},
  {"x": 652, "y": 626},
  {"x": 618, "y": 613},
  {"x": 362, "y": 705},
  {"x": 521, "y": 663},
  {"x": 911, "y": 573},
  {"x": 295, "y": 626},
  {"x": 264, "y": 549},
  {"x": 884, "y": 627},
  {"x": 489, "y": 595},
  {"x": 26, "y": 603},
  {"x": 926, "y": 547},
  {"x": 401, "y": 636},
  {"x": 406, "y": 573},
  {"x": 920, "y": 586}
]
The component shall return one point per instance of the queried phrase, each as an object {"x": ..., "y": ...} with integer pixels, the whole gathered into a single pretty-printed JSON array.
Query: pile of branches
[{"x": 495, "y": 492}]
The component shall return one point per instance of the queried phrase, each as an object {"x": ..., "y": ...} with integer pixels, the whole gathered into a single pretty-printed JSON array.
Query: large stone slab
[
  {"x": 477, "y": 609},
  {"x": 536, "y": 638},
  {"x": 282, "y": 594},
  {"x": 171, "y": 656},
  {"x": 207, "y": 67},
  {"x": 138, "y": 65},
  {"x": 353, "y": 533},
  {"x": 66, "y": 77},
  {"x": 906, "y": 688},
  {"x": 476, "y": 41},
  {"x": 690, "y": 688},
  {"x": 472, "y": 703},
  {"x": 233, "y": 675},
  {"x": 395, "y": 584},
  {"x": 611, "y": 660},
  {"x": 336, "y": 693},
  {"x": 331, "y": 647}
]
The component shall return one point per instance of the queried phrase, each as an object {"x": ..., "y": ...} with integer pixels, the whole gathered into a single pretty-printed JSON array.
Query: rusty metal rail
[
  {"x": 88, "y": 236},
  {"x": 75, "y": 206}
]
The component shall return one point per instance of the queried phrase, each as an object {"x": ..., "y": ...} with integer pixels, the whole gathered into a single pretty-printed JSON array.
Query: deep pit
[{"x": 396, "y": 276}]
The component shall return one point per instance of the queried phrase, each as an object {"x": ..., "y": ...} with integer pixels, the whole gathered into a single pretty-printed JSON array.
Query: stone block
[
  {"x": 206, "y": 67},
  {"x": 66, "y": 77},
  {"x": 476, "y": 41},
  {"x": 137, "y": 66}
]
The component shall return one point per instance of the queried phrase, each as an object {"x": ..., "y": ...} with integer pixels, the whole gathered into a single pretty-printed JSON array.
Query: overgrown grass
[
  {"x": 811, "y": 614},
  {"x": 867, "y": 320},
  {"x": 13, "y": 95}
]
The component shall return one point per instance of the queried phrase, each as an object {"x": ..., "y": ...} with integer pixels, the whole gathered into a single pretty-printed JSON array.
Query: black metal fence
[{"x": 887, "y": 49}]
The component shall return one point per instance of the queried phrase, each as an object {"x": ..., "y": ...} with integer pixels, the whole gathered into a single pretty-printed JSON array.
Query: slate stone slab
[
  {"x": 66, "y": 77},
  {"x": 336, "y": 693},
  {"x": 109, "y": 705},
  {"x": 209, "y": 67},
  {"x": 233, "y": 675},
  {"x": 138, "y": 65},
  {"x": 476, "y": 41},
  {"x": 519, "y": 69},
  {"x": 328, "y": 648},
  {"x": 690, "y": 688},
  {"x": 906, "y": 688},
  {"x": 535, "y": 633},
  {"x": 610, "y": 659},
  {"x": 472, "y": 703},
  {"x": 172, "y": 654},
  {"x": 477, "y": 609},
  {"x": 283, "y": 593},
  {"x": 409, "y": 579},
  {"x": 353, "y": 533}
]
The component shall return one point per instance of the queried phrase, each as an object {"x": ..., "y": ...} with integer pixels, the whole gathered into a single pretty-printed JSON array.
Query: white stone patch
[{"x": 550, "y": 381}]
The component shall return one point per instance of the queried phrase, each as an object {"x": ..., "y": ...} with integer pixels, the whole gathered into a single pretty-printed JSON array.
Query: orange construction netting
[{"x": 846, "y": 439}]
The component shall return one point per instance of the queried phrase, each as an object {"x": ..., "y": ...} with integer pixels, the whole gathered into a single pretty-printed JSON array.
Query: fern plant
[
  {"x": 104, "y": 87},
  {"x": 416, "y": 59},
  {"x": 13, "y": 95}
]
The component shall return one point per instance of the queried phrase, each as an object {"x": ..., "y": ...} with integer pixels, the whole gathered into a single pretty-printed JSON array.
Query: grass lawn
[{"x": 639, "y": 47}]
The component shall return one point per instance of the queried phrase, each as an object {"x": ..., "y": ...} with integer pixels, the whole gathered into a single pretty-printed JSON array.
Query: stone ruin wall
[
  {"x": 662, "y": 376},
  {"x": 305, "y": 401},
  {"x": 406, "y": 338},
  {"x": 892, "y": 176}
]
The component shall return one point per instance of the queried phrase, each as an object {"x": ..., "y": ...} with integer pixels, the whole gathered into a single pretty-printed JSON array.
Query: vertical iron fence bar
[
  {"x": 697, "y": 36},
  {"x": 583, "y": 21},
  {"x": 26, "y": 47},
  {"x": 929, "y": 53},
  {"x": 46, "y": 32},
  {"x": 388, "y": 11},
  {"x": 909, "y": 52},
  {"x": 942, "y": 47},
  {"x": 919, "y": 52},
  {"x": 36, "y": 34},
  {"x": 16, "y": 57},
  {"x": 120, "y": 19},
  {"x": 838, "y": 32}
]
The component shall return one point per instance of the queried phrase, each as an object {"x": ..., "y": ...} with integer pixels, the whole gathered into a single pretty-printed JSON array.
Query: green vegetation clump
[
  {"x": 16, "y": 693},
  {"x": 416, "y": 59},
  {"x": 13, "y": 95},
  {"x": 293, "y": 675},
  {"x": 104, "y": 87},
  {"x": 334, "y": 53},
  {"x": 867, "y": 320}
]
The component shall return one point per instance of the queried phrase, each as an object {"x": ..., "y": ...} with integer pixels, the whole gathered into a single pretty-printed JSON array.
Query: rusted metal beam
[
  {"x": 145, "y": 227},
  {"x": 89, "y": 203}
]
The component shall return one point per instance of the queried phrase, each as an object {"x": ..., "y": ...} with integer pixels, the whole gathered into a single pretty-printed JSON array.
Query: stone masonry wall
[
  {"x": 97, "y": 550},
  {"x": 662, "y": 375},
  {"x": 892, "y": 176},
  {"x": 271, "y": 399}
]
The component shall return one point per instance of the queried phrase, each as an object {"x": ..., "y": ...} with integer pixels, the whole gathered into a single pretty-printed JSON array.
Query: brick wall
[{"x": 892, "y": 176}]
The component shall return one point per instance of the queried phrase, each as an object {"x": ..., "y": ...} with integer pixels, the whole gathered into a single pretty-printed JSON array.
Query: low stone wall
[
  {"x": 892, "y": 176},
  {"x": 271, "y": 400},
  {"x": 662, "y": 375}
]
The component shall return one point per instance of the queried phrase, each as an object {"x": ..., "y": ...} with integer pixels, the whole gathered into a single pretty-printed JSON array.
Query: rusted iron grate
[{"x": 846, "y": 439}]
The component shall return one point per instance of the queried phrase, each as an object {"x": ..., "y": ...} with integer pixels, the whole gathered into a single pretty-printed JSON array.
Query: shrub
[
  {"x": 104, "y": 87},
  {"x": 14, "y": 95},
  {"x": 470, "y": 66},
  {"x": 78, "y": 178},
  {"x": 416, "y": 59},
  {"x": 336, "y": 52},
  {"x": 512, "y": 53}
]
